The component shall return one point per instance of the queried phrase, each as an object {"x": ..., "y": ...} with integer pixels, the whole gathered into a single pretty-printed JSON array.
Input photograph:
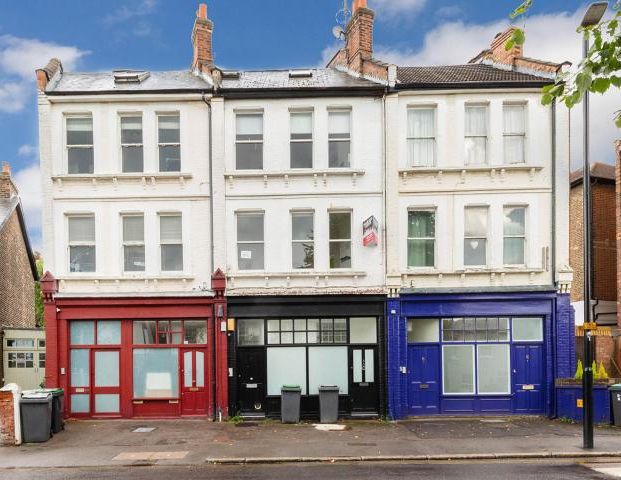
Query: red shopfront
[{"x": 123, "y": 357}]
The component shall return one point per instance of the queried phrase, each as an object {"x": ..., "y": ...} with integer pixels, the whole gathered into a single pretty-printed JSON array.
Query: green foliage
[
  {"x": 517, "y": 38},
  {"x": 579, "y": 371},
  {"x": 521, "y": 9},
  {"x": 40, "y": 322}
]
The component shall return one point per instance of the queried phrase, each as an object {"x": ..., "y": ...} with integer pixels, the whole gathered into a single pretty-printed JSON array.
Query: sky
[{"x": 95, "y": 35}]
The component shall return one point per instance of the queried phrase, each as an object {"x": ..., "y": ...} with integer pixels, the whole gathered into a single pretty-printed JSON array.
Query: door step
[
  {"x": 253, "y": 416},
  {"x": 364, "y": 415}
]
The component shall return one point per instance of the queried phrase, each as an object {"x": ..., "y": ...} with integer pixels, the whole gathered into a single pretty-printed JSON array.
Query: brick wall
[
  {"x": 604, "y": 242},
  {"x": 16, "y": 282},
  {"x": 7, "y": 419}
]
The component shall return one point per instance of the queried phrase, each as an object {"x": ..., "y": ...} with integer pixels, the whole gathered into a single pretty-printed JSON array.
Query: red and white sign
[{"x": 370, "y": 236}]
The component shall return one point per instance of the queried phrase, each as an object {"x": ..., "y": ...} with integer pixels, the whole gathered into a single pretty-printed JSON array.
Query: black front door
[
  {"x": 363, "y": 380},
  {"x": 251, "y": 380}
]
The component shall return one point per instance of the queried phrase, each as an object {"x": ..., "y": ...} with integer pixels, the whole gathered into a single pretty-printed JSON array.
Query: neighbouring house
[
  {"x": 18, "y": 275},
  {"x": 604, "y": 264},
  {"x": 397, "y": 231}
]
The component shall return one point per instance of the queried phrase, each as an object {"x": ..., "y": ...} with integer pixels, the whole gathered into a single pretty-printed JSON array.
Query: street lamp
[{"x": 593, "y": 15}]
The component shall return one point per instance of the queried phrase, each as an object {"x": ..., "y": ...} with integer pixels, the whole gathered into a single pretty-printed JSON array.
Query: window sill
[
  {"x": 301, "y": 274},
  {"x": 125, "y": 278},
  {"x": 114, "y": 178},
  {"x": 493, "y": 170},
  {"x": 314, "y": 174},
  {"x": 470, "y": 271}
]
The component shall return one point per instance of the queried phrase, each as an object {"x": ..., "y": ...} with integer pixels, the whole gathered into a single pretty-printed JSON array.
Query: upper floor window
[
  {"x": 82, "y": 243},
  {"x": 339, "y": 138},
  {"x": 421, "y": 238},
  {"x": 169, "y": 143},
  {"x": 475, "y": 236},
  {"x": 171, "y": 243},
  {"x": 133, "y": 243},
  {"x": 249, "y": 141},
  {"x": 301, "y": 139},
  {"x": 514, "y": 235},
  {"x": 250, "y": 241},
  {"x": 475, "y": 135},
  {"x": 514, "y": 133},
  {"x": 303, "y": 240},
  {"x": 131, "y": 143},
  {"x": 80, "y": 152},
  {"x": 421, "y": 137},
  {"x": 340, "y": 239}
]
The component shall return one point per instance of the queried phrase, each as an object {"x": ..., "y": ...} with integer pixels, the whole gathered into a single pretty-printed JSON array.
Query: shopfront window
[
  {"x": 527, "y": 329},
  {"x": 82, "y": 333},
  {"x": 109, "y": 332},
  {"x": 493, "y": 376},
  {"x": 423, "y": 330},
  {"x": 458, "y": 369},
  {"x": 167, "y": 332},
  {"x": 156, "y": 372},
  {"x": 327, "y": 366},
  {"x": 250, "y": 332},
  {"x": 195, "y": 332}
]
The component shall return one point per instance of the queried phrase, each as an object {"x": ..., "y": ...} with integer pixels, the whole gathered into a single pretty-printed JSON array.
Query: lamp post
[{"x": 593, "y": 15}]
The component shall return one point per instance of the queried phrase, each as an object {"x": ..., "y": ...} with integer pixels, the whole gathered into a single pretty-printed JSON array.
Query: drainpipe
[{"x": 553, "y": 261}]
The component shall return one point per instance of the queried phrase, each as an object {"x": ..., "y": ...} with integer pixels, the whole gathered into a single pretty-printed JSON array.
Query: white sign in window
[{"x": 250, "y": 241}]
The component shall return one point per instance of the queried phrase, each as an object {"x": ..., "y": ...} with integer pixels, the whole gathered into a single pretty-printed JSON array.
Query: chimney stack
[
  {"x": 7, "y": 187},
  {"x": 359, "y": 35},
  {"x": 202, "y": 34},
  {"x": 46, "y": 74}
]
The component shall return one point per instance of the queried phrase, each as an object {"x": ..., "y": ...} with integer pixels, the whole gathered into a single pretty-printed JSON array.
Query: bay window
[
  {"x": 475, "y": 135},
  {"x": 301, "y": 143},
  {"x": 131, "y": 144},
  {"x": 302, "y": 240},
  {"x": 249, "y": 141},
  {"x": 171, "y": 243},
  {"x": 514, "y": 133},
  {"x": 421, "y": 136},
  {"x": 340, "y": 239},
  {"x": 514, "y": 240},
  {"x": 82, "y": 253},
  {"x": 475, "y": 236},
  {"x": 169, "y": 142},
  {"x": 250, "y": 241},
  {"x": 79, "y": 142},
  {"x": 421, "y": 238},
  {"x": 133, "y": 243},
  {"x": 339, "y": 138}
]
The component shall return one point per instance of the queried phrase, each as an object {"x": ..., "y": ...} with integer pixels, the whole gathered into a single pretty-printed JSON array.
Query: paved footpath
[{"x": 195, "y": 442}]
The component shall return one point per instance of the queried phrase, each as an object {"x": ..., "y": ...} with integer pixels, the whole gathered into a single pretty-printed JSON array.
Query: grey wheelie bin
[
  {"x": 36, "y": 417},
  {"x": 58, "y": 406},
  {"x": 290, "y": 396},
  {"x": 615, "y": 403},
  {"x": 328, "y": 403}
]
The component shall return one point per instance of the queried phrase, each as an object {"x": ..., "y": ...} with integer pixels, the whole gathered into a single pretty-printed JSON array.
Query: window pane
[
  {"x": 513, "y": 251},
  {"x": 172, "y": 258},
  {"x": 108, "y": 332},
  {"x": 286, "y": 325},
  {"x": 170, "y": 158},
  {"x": 286, "y": 366},
  {"x": 423, "y": 330},
  {"x": 301, "y": 154},
  {"x": 250, "y": 256},
  {"x": 514, "y": 150},
  {"x": 421, "y": 253},
  {"x": 340, "y": 226},
  {"x": 339, "y": 154},
  {"x": 527, "y": 329},
  {"x": 476, "y": 120},
  {"x": 475, "y": 251},
  {"x": 301, "y": 125},
  {"x": 134, "y": 260},
  {"x": 200, "y": 369},
  {"x": 339, "y": 123},
  {"x": 80, "y": 160},
  {"x": 144, "y": 332},
  {"x": 363, "y": 330},
  {"x": 82, "y": 332},
  {"x": 82, "y": 229},
  {"x": 458, "y": 369},
  {"x": 514, "y": 221},
  {"x": 170, "y": 229},
  {"x": 133, "y": 228},
  {"x": 303, "y": 255},
  {"x": 327, "y": 366},
  {"x": 132, "y": 159},
  {"x": 81, "y": 259},
  {"x": 168, "y": 129},
  {"x": 249, "y": 228},
  {"x": 156, "y": 373},
  {"x": 79, "y": 131},
  {"x": 475, "y": 153},
  {"x": 421, "y": 122},
  {"x": 80, "y": 403},
  {"x": 249, "y": 126},
  {"x": 107, "y": 403},
  {"x": 80, "y": 368},
  {"x": 340, "y": 254},
  {"x": 475, "y": 221},
  {"x": 421, "y": 152},
  {"x": 513, "y": 116},
  {"x": 421, "y": 224},
  {"x": 493, "y": 369},
  {"x": 131, "y": 129},
  {"x": 106, "y": 369},
  {"x": 250, "y": 332},
  {"x": 195, "y": 332},
  {"x": 249, "y": 156}
]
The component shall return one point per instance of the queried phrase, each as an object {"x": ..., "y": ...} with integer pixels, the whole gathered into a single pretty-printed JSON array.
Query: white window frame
[
  {"x": 164, "y": 144},
  {"x": 125, "y": 243},
  {"x": 261, "y": 113},
  {"x": 349, "y": 111},
  {"x": 484, "y": 106},
  {"x": 341, "y": 240},
  {"x": 524, "y": 237},
  {"x": 410, "y": 139},
  {"x": 522, "y": 134},
  {"x": 435, "y": 241},
  {"x": 66, "y": 117},
  {"x": 308, "y": 213},
  {"x": 160, "y": 242},
  {"x": 242, "y": 213},
  {"x": 71, "y": 243},
  {"x": 486, "y": 238},
  {"x": 311, "y": 140},
  {"x": 472, "y": 346},
  {"x": 123, "y": 146}
]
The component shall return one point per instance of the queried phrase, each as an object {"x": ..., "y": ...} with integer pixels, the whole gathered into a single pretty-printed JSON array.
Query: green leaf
[
  {"x": 618, "y": 120},
  {"x": 583, "y": 81},
  {"x": 509, "y": 45},
  {"x": 616, "y": 81},
  {"x": 518, "y": 36},
  {"x": 600, "y": 85},
  {"x": 546, "y": 99}
]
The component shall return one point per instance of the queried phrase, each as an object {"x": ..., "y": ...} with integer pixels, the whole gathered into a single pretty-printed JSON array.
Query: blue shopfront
[{"x": 465, "y": 352}]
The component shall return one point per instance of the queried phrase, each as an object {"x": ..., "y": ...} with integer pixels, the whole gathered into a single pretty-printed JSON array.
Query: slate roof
[
  {"x": 465, "y": 75},
  {"x": 100, "y": 82}
]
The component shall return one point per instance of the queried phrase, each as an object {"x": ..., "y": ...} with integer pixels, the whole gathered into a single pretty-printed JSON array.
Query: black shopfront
[{"x": 307, "y": 341}]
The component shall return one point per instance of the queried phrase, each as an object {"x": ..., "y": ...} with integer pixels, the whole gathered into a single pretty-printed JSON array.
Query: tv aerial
[{"x": 342, "y": 17}]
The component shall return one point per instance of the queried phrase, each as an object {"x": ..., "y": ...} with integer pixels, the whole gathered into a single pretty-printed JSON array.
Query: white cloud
[
  {"x": 28, "y": 182},
  {"x": 449, "y": 11},
  {"x": 19, "y": 58},
  {"x": 140, "y": 28},
  {"x": 28, "y": 151},
  {"x": 548, "y": 36},
  {"x": 391, "y": 9}
]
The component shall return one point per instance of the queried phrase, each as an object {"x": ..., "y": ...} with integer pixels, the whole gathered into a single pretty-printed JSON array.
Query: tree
[
  {"x": 37, "y": 292},
  {"x": 597, "y": 73}
]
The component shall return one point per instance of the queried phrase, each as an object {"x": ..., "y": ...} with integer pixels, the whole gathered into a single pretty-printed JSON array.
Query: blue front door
[
  {"x": 528, "y": 381},
  {"x": 424, "y": 379}
]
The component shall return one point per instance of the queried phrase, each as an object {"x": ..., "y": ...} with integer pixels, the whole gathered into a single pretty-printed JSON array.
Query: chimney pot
[
  {"x": 202, "y": 11},
  {"x": 6, "y": 168}
]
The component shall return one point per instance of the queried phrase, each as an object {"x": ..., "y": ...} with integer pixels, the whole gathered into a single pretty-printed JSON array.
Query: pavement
[{"x": 114, "y": 443}]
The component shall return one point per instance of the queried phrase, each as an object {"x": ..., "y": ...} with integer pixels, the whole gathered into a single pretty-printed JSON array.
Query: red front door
[{"x": 193, "y": 390}]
